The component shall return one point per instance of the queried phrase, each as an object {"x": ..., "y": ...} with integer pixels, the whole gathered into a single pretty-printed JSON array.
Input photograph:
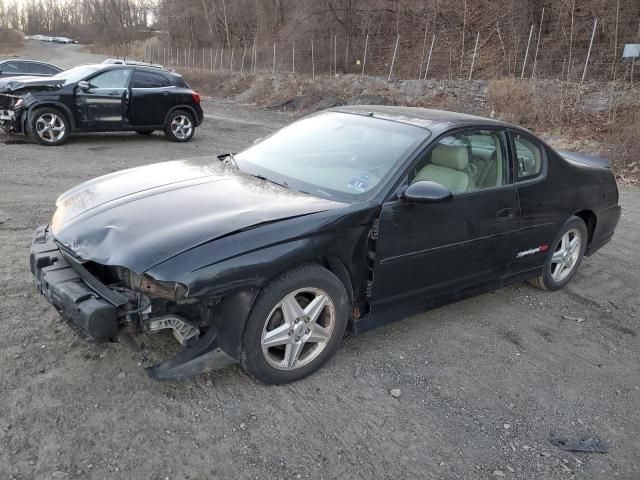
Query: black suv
[
  {"x": 100, "y": 98},
  {"x": 18, "y": 67}
]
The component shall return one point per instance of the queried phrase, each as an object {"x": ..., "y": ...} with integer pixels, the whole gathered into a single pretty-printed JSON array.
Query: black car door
[
  {"x": 430, "y": 251},
  {"x": 101, "y": 106},
  {"x": 542, "y": 212},
  {"x": 152, "y": 96}
]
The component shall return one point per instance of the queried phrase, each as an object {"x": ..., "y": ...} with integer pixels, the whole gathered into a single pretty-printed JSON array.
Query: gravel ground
[{"x": 485, "y": 384}]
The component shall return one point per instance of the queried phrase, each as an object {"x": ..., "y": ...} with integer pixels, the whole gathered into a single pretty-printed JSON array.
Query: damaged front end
[
  {"x": 12, "y": 108},
  {"x": 16, "y": 97},
  {"x": 104, "y": 303}
]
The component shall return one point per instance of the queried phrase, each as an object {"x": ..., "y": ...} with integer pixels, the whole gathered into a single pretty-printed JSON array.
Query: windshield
[
  {"x": 76, "y": 74},
  {"x": 333, "y": 155}
]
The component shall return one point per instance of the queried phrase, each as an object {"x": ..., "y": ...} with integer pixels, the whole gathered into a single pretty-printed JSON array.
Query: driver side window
[
  {"x": 465, "y": 161},
  {"x": 118, "y": 78}
]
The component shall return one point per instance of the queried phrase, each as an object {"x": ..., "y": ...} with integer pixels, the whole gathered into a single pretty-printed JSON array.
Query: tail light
[{"x": 196, "y": 97}]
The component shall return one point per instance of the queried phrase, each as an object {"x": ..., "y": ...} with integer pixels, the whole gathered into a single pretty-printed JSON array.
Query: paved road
[{"x": 486, "y": 383}]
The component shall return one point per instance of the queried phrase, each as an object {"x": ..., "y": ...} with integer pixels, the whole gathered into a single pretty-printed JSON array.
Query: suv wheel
[
  {"x": 49, "y": 126},
  {"x": 180, "y": 126},
  {"x": 565, "y": 256},
  {"x": 296, "y": 325}
]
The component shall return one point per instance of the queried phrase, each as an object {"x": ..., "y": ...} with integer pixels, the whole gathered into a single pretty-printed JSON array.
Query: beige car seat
[{"x": 449, "y": 167}]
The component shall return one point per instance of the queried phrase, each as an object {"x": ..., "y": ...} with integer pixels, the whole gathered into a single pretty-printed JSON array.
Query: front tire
[
  {"x": 295, "y": 326},
  {"x": 49, "y": 126},
  {"x": 180, "y": 126},
  {"x": 564, "y": 257}
]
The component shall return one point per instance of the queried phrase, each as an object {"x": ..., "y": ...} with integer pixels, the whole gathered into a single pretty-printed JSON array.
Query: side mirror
[
  {"x": 84, "y": 85},
  {"x": 426, "y": 191}
]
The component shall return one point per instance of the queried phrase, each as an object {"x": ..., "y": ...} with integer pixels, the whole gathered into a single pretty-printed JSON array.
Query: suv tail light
[{"x": 196, "y": 97}]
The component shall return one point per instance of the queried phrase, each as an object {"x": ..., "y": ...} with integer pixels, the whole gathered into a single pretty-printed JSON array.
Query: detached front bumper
[
  {"x": 90, "y": 315},
  {"x": 98, "y": 313}
]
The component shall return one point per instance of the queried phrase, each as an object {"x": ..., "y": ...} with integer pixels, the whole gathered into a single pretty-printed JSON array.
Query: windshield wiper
[
  {"x": 262, "y": 177},
  {"x": 228, "y": 159}
]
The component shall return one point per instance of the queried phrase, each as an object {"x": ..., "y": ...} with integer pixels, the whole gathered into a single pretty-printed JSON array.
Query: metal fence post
[
  {"x": 255, "y": 56},
  {"x": 364, "y": 58},
  {"x": 222, "y": 58},
  {"x": 473, "y": 60},
  {"x": 313, "y": 62},
  {"x": 203, "y": 59},
  {"x": 424, "y": 50},
  {"x": 524, "y": 65},
  {"x": 335, "y": 55},
  {"x": 330, "y": 48},
  {"x": 586, "y": 63},
  {"x": 231, "y": 61},
  {"x": 393, "y": 60},
  {"x": 244, "y": 51},
  {"x": 535, "y": 58},
  {"x": 426, "y": 70},
  {"x": 274, "y": 60},
  {"x": 293, "y": 57}
]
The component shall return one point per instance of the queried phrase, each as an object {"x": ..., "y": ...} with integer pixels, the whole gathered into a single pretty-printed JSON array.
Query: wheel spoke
[
  {"x": 557, "y": 257},
  {"x": 277, "y": 336},
  {"x": 573, "y": 245},
  {"x": 315, "y": 307},
  {"x": 291, "y": 353},
  {"x": 291, "y": 309},
  {"x": 559, "y": 270},
  {"x": 318, "y": 334}
]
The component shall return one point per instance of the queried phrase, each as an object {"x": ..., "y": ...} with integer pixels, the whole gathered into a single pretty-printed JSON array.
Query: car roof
[
  {"x": 29, "y": 60},
  {"x": 419, "y": 117},
  {"x": 146, "y": 68}
]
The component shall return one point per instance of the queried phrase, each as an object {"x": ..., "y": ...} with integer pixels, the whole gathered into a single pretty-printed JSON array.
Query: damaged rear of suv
[{"x": 100, "y": 98}]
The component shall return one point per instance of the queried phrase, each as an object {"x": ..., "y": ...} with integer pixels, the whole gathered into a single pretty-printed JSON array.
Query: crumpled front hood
[
  {"x": 140, "y": 217},
  {"x": 13, "y": 84}
]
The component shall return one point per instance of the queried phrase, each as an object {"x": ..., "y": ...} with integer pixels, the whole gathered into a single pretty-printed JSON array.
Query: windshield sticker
[
  {"x": 358, "y": 184},
  {"x": 365, "y": 176}
]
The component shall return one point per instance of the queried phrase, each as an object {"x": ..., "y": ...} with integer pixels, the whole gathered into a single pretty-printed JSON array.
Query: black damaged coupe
[{"x": 351, "y": 217}]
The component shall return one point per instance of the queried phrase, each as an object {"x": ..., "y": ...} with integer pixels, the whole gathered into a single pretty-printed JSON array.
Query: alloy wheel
[
  {"x": 50, "y": 127},
  {"x": 181, "y": 126},
  {"x": 298, "y": 329},
  {"x": 566, "y": 255}
]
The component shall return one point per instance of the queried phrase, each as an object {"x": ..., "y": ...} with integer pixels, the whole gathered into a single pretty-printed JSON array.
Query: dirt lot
[{"x": 486, "y": 383}]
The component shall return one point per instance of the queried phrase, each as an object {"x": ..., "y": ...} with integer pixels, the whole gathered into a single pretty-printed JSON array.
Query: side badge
[{"x": 542, "y": 248}]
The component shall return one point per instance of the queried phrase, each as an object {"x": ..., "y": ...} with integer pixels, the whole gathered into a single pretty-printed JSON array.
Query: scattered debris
[
  {"x": 576, "y": 319},
  {"x": 396, "y": 392},
  {"x": 498, "y": 473},
  {"x": 590, "y": 445},
  {"x": 507, "y": 426}
]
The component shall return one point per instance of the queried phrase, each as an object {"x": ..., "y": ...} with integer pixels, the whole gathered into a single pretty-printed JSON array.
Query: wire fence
[{"x": 587, "y": 50}]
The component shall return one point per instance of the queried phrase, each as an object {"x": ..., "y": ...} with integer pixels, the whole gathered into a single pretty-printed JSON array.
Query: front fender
[{"x": 51, "y": 103}]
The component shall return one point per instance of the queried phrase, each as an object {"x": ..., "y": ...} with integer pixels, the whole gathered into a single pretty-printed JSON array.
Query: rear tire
[
  {"x": 180, "y": 126},
  {"x": 295, "y": 325},
  {"x": 564, "y": 257},
  {"x": 49, "y": 126}
]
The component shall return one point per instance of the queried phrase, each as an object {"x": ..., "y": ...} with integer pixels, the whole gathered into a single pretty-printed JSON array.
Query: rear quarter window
[
  {"x": 528, "y": 156},
  {"x": 142, "y": 79}
]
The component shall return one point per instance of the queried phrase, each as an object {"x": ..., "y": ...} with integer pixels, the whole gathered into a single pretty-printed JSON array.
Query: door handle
[{"x": 505, "y": 214}]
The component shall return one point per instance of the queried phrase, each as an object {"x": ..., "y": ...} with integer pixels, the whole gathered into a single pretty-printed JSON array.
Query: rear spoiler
[{"x": 585, "y": 159}]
